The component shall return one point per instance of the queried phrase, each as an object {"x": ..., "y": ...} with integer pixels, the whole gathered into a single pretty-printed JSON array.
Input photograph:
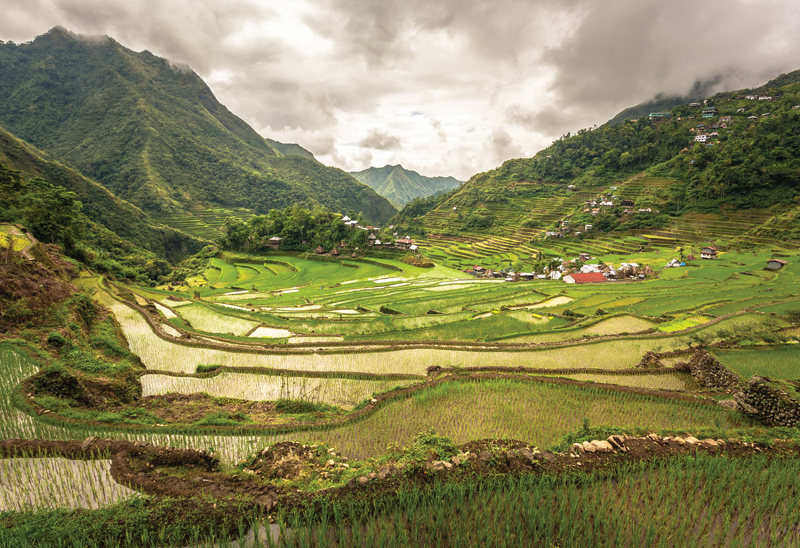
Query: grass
[
  {"x": 780, "y": 362},
  {"x": 536, "y": 412}
]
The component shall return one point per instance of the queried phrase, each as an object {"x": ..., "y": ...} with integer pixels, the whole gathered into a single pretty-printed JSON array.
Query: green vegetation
[
  {"x": 400, "y": 186},
  {"x": 155, "y": 135}
]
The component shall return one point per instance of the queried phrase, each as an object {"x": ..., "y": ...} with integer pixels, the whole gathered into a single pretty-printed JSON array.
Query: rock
[
  {"x": 691, "y": 440},
  {"x": 729, "y": 404},
  {"x": 88, "y": 442},
  {"x": 650, "y": 360},
  {"x": 330, "y": 463},
  {"x": 653, "y": 437},
  {"x": 387, "y": 471},
  {"x": 578, "y": 449},
  {"x": 679, "y": 440},
  {"x": 527, "y": 455},
  {"x": 456, "y": 461},
  {"x": 617, "y": 442},
  {"x": 548, "y": 456},
  {"x": 588, "y": 447},
  {"x": 484, "y": 455},
  {"x": 709, "y": 444},
  {"x": 708, "y": 371},
  {"x": 511, "y": 456},
  {"x": 372, "y": 475},
  {"x": 603, "y": 446},
  {"x": 139, "y": 443},
  {"x": 267, "y": 501}
]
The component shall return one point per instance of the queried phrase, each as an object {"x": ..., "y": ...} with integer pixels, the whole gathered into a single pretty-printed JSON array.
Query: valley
[{"x": 210, "y": 338}]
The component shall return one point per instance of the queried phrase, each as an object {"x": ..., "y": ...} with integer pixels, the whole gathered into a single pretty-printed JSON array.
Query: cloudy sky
[{"x": 444, "y": 87}]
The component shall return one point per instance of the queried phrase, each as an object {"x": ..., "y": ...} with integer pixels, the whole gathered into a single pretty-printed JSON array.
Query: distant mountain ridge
[
  {"x": 155, "y": 135},
  {"x": 400, "y": 185}
]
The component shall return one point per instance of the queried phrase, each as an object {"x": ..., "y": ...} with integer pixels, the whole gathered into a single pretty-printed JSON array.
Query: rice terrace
[{"x": 209, "y": 338}]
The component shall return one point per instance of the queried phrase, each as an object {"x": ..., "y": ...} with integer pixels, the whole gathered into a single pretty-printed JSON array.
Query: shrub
[{"x": 56, "y": 340}]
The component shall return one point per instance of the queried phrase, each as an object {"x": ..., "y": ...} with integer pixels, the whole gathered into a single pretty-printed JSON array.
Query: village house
[
  {"x": 776, "y": 264},
  {"x": 319, "y": 250},
  {"x": 694, "y": 105},
  {"x": 403, "y": 243},
  {"x": 709, "y": 112},
  {"x": 701, "y": 138},
  {"x": 596, "y": 211},
  {"x": 587, "y": 278},
  {"x": 583, "y": 257},
  {"x": 658, "y": 116},
  {"x": 725, "y": 118},
  {"x": 645, "y": 210},
  {"x": 587, "y": 228},
  {"x": 627, "y": 211},
  {"x": 627, "y": 203},
  {"x": 345, "y": 219},
  {"x": 371, "y": 239},
  {"x": 274, "y": 242},
  {"x": 708, "y": 253}
]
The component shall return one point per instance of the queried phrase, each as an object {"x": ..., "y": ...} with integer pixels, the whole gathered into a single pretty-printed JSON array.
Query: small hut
[
  {"x": 319, "y": 250},
  {"x": 334, "y": 252}
]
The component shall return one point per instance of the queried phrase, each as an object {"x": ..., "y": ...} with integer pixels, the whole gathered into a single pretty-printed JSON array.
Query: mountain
[
  {"x": 731, "y": 174},
  {"x": 400, "y": 185},
  {"x": 665, "y": 103},
  {"x": 154, "y": 134},
  {"x": 290, "y": 149},
  {"x": 99, "y": 205}
]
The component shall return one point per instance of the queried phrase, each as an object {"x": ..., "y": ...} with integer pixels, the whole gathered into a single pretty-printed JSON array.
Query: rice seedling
[
  {"x": 532, "y": 411},
  {"x": 780, "y": 362},
  {"x": 32, "y": 483},
  {"x": 211, "y": 321},
  {"x": 345, "y": 393},
  {"x": 640, "y": 504}
]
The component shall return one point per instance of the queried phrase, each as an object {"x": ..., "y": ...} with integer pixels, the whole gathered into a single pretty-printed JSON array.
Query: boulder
[
  {"x": 578, "y": 449},
  {"x": 603, "y": 446},
  {"x": 88, "y": 442},
  {"x": 363, "y": 481},
  {"x": 618, "y": 442},
  {"x": 527, "y": 455},
  {"x": 267, "y": 501},
  {"x": 588, "y": 447}
]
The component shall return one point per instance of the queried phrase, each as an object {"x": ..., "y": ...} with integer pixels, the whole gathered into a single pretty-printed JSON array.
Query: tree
[{"x": 52, "y": 212}]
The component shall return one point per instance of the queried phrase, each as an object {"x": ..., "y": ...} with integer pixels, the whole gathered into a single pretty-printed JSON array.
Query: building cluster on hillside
[{"x": 577, "y": 270}]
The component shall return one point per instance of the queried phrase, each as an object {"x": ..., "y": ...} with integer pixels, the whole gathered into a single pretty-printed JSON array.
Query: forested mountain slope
[
  {"x": 154, "y": 134},
  {"x": 99, "y": 205},
  {"x": 400, "y": 185},
  {"x": 745, "y": 154}
]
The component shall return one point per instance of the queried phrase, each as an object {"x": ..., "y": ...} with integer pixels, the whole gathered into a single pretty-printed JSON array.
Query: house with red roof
[{"x": 587, "y": 278}]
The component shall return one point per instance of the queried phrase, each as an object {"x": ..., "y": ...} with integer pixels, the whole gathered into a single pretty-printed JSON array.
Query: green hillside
[
  {"x": 741, "y": 187},
  {"x": 400, "y": 185},
  {"x": 154, "y": 134},
  {"x": 99, "y": 205}
]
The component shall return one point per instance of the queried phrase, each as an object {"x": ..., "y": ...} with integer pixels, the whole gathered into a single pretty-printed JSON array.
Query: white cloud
[{"x": 460, "y": 84}]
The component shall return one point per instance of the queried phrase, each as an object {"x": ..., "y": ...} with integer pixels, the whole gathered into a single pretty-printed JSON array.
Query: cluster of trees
[
  {"x": 299, "y": 228},
  {"x": 55, "y": 215}
]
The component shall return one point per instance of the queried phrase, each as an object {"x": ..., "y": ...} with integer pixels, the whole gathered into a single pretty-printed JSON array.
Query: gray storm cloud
[
  {"x": 379, "y": 140},
  {"x": 326, "y": 72}
]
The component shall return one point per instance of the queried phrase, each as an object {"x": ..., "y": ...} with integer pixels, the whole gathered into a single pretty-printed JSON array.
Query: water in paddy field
[{"x": 55, "y": 482}]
